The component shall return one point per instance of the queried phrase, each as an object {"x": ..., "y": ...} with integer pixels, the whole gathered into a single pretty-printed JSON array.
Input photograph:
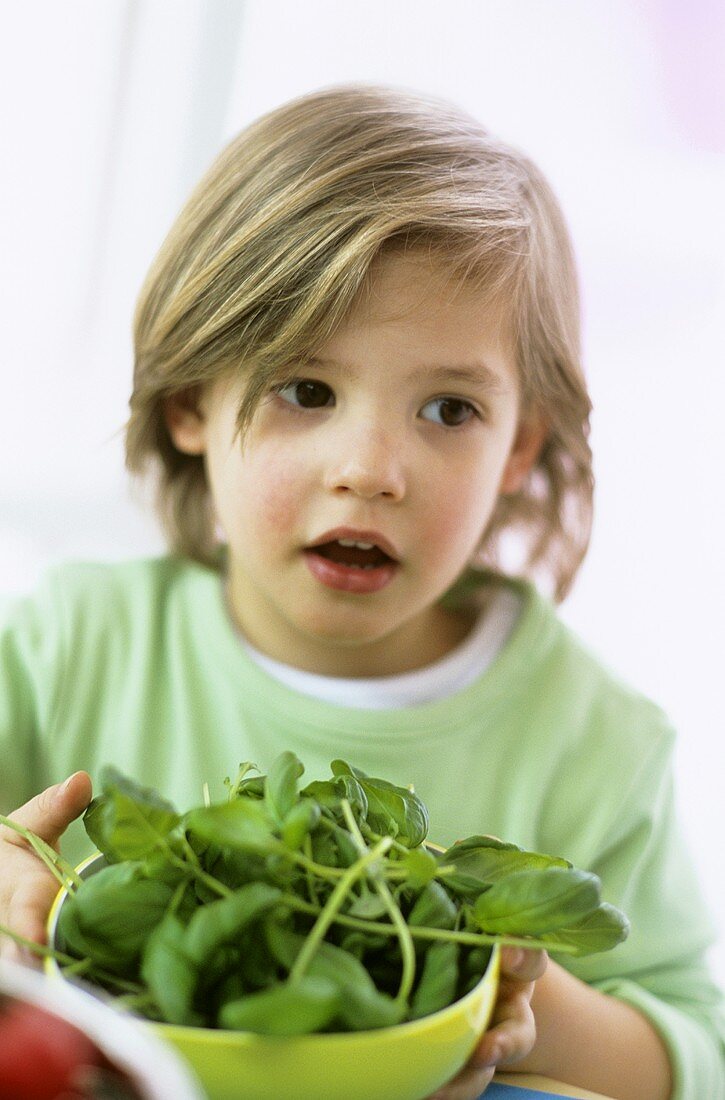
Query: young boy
[{"x": 357, "y": 376}]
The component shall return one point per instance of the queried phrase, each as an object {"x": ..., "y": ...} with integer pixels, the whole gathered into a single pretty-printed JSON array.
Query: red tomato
[{"x": 40, "y": 1054}]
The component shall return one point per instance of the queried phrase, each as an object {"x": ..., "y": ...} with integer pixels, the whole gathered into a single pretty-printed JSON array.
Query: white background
[{"x": 110, "y": 112}]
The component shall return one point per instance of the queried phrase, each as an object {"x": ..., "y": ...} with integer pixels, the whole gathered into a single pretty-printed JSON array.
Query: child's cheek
[{"x": 277, "y": 494}]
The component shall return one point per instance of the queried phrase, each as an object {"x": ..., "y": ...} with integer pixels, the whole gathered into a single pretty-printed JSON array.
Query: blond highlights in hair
[{"x": 275, "y": 246}]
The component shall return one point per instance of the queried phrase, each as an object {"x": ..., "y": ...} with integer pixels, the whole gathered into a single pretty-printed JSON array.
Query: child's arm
[
  {"x": 587, "y": 1038},
  {"x": 548, "y": 1022},
  {"x": 27, "y": 887}
]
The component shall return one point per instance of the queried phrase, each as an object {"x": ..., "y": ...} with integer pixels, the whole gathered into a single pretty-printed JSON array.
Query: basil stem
[
  {"x": 407, "y": 948},
  {"x": 58, "y": 867},
  {"x": 332, "y": 905}
]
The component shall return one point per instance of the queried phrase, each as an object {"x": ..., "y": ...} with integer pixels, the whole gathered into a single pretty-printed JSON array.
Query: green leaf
[
  {"x": 421, "y": 867},
  {"x": 324, "y": 792},
  {"x": 362, "y": 1005},
  {"x": 324, "y": 849},
  {"x": 347, "y": 850},
  {"x": 110, "y": 916},
  {"x": 243, "y": 824},
  {"x": 361, "y": 943},
  {"x": 392, "y": 811},
  {"x": 433, "y": 908},
  {"x": 299, "y": 822},
  {"x": 128, "y": 821},
  {"x": 280, "y": 789},
  {"x": 368, "y": 907},
  {"x": 221, "y": 922},
  {"x": 438, "y": 981},
  {"x": 529, "y": 903},
  {"x": 170, "y": 975},
  {"x": 600, "y": 930},
  {"x": 251, "y": 786},
  {"x": 482, "y": 860},
  {"x": 285, "y": 1009},
  {"x": 350, "y": 788}
]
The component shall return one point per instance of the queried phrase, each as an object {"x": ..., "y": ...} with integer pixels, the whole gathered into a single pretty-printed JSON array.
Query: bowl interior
[{"x": 405, "y": 1062}]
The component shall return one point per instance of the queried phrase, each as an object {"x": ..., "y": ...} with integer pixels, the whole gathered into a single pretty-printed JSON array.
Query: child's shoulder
[
  {"x": 571, "y": 694},
  {"x": 599, "y": 696},
  {"x": 103, "y": 590}
]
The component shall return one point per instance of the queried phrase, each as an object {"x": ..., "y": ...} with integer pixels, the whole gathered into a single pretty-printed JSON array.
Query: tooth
[{"x": 359, "y": 545}]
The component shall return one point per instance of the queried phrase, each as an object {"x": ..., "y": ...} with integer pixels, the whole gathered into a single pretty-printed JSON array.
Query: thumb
[
  {"x": 50, "y": 813},
  {"x": 523, "y": 965}
]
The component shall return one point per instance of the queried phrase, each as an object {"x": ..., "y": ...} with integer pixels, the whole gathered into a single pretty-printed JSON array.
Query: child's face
[{"x": 401, "y": 433}]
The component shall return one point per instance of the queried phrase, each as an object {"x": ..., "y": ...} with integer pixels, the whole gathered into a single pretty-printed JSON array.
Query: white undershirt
[{"x": 455, "y": 671}]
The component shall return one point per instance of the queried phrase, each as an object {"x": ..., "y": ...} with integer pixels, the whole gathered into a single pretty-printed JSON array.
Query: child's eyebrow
[{"x": 477, "y": 374}]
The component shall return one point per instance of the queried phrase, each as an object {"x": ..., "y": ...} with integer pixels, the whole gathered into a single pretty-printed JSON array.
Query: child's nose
[{"x": 369, "y": 464}]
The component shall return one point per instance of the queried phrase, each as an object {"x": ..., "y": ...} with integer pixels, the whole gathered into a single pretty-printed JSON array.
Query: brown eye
[
  {"x": 307, "y": 394},
  {"x": 451, "y": 412}
]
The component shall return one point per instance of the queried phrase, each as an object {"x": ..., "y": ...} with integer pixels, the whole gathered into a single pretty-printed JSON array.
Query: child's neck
[{"x": 415, "y": 645}]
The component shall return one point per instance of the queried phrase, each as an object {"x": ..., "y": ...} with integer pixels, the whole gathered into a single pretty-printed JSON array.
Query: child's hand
[
  {"x": 27, "y": 887},
  {"x": 512, "y": 1031}
]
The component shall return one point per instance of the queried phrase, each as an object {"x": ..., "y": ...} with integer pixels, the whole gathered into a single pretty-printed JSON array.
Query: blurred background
[{"x": 110, "y": 113}]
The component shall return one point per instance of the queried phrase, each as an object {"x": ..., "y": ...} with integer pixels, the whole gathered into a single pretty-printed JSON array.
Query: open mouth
[
  {"x": 351, "y": 565},
  {"x": 357, "y": 555}
]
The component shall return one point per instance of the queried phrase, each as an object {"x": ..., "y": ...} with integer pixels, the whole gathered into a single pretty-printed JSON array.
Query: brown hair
[{"x": 276, "y": 243}]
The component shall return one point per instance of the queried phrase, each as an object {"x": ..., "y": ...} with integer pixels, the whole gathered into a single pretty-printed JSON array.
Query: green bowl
[{"x": 406, "y": 1062}]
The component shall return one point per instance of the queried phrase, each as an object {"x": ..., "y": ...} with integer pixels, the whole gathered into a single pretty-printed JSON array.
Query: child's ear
[
  {"x": 185, "y": 420},
  {"x": 530, "y": 437}
]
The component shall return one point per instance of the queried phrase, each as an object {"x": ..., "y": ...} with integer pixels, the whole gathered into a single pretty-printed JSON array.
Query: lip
[
  {"x": 359, "y": 535},
  {"x": 360, "y": 582}
]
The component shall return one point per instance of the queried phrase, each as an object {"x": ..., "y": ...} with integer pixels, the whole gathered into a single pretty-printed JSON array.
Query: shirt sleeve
[
  {"x": 661, "y": 969},
  {"x": 30, "y": 672}
]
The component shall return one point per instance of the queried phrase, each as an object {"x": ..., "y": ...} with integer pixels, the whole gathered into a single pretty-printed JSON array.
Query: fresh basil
[{"x": 287, "y": 910}]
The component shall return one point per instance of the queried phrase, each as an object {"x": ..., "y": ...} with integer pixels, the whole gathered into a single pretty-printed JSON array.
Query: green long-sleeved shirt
[{"x": 138, "y": 664}]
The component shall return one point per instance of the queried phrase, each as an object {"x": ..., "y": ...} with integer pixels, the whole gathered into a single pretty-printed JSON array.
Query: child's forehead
[{"x": 419, "y": 291}]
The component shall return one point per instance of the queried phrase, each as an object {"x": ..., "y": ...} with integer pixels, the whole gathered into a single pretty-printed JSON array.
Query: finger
[
  {"x": 467, "y": 1085},
  {"x": 50, "y": 813},
  {"x": 512, "y": 1036},
  {"x": 10, "y": 951},
  {"x": 30, "y": 904},
  {"x": 524, "y": 965}
]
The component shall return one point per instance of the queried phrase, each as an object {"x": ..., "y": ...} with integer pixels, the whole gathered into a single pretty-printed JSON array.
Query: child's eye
[
  {"x": 307, "y": 394},
  {"x": 449, "y": 411}
]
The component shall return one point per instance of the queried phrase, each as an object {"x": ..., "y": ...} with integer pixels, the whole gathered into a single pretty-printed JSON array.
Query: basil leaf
[
  {"x": 392, "y": 811},
  {"x": 421, "y": 866},
  {"x": 324, "y": 792},
  {"x": 110, "y": 917},
  {"x": 438, "y": 981},
  {"x": 299, "y": 823},
  {"x": 128, "y": 821},
  {"x": 350, "y": 788},
  {"x": 362, "y": 1005},
  {"x": 599, "y": 930},
  {"x": 243, "y": 824},
  {"x": 485, "y": 859},
  {"x": 170, "y": 975},
  {"x": 433, "y": 908},
  {"x": 280, "y": 788},
  {"x": 285, "y": 1009},
  {"x": 529, "y": 903},
  {"x": 221, "y": 922},
  {"x": 368, "y": 906}
]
